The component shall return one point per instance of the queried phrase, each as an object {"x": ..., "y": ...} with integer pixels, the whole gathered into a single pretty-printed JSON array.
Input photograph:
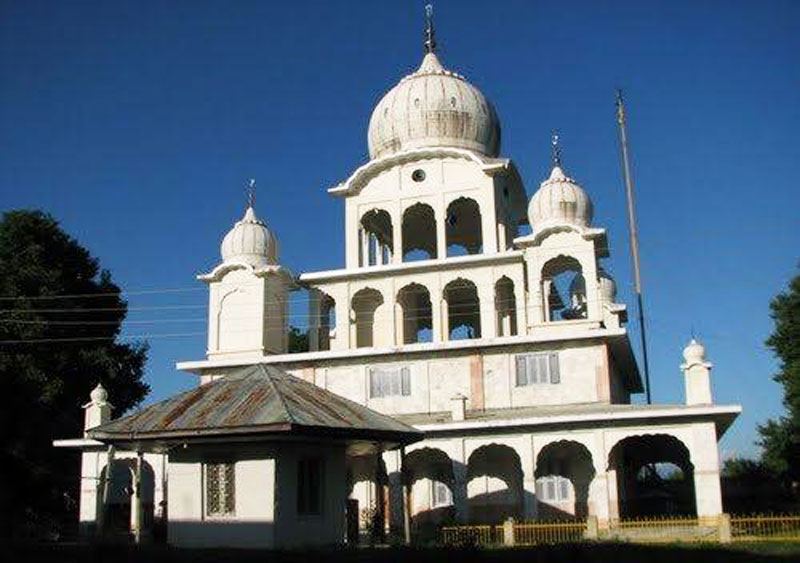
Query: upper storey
[
  {"x": 434, "y": 186},
  {"x": 433, "y": 107}
]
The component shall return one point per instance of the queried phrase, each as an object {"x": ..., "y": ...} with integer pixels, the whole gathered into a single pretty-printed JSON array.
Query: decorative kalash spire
[
  {"x": 556, "y": 151},
  {"x": 251, "y": 192},
  {"x": 430, "y": 37}
]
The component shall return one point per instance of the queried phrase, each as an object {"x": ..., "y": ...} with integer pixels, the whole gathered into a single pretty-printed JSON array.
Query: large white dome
[
  {"x": 433, "y": 107},
  {"x": 250, "y": 242},
  {"x": 559, "y": 201}
]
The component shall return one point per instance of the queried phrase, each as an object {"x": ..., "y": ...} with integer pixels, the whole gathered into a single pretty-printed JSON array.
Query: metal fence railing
[
  {"x": 549, "y": 533},
  {"x": 765, "y": 528},
  {"x": 472, "y": 535},
  {"x": 665, "y": 530},
  {"x": 723, "y": 529}
]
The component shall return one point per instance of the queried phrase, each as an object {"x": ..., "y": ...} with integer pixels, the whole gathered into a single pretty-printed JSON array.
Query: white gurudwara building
[{"x": 458, "y": 371}]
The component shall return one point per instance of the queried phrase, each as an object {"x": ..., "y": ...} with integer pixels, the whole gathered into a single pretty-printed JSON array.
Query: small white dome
[
  {"x": 694, "y": 353},
  {"x": 250, "y": 241},
  {"x": 433, "y": 107},
  {"x": 559, "y": 201},
  {"x": 99, "y": 395}
]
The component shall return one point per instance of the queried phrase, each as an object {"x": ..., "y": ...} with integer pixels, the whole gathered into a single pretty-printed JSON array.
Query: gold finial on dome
[
  {"x": 430, "y": 38},
  {"x": 556, "y": 151},
  {"x": 251, "y": 192}
]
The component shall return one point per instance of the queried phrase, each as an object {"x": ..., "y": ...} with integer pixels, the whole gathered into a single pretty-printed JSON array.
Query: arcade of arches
[{"x": 491, "y": 480}]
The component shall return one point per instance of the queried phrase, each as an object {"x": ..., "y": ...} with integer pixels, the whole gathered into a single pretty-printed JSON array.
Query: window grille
[
  {"x": 220, "y": 489},
  {"x": 553, "y": 488},
  {"x": 310, "y": 477},
  {"x": 389, "y": 382},
  {"x": 537, "y": 368},
  {"x": 442, "y": 496}
]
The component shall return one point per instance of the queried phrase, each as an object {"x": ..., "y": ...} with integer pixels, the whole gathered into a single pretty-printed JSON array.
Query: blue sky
[{"x": 136, "y": 124}]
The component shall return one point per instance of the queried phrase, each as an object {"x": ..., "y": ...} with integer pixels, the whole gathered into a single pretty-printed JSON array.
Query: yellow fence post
[
  {"x": 508, "y": 532},
  {"x": 724, "y": 524},
  {"x": 592, "y": 530}
]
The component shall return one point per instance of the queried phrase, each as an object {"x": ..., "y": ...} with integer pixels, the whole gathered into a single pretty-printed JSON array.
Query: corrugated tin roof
[{"x": 251, "y": 400}]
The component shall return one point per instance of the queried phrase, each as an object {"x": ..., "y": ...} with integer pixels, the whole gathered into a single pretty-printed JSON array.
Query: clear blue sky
[{"x": 137, "y": 123}]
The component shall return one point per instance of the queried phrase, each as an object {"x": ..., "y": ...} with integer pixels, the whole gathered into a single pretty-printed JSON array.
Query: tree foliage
[
  {"x": 780, "y": 438},
  {"x": 298, "y": 340},
  {"x": 53, "y": 351}
]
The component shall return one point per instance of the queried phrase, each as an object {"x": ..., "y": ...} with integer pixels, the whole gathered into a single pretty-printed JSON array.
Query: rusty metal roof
[{"x": 255, "y": 400}]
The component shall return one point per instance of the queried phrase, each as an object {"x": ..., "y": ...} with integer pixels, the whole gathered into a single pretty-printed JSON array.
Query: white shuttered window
[
  {"x": 537, "y": 368},
  {"x": 389, "y": 382}
]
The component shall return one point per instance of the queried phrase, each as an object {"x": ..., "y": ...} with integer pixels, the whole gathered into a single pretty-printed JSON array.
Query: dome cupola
[
  {"x": 250, "y": 242},
  {"x": 559, "y": 199},
  {"x": 433, "y": 107}
]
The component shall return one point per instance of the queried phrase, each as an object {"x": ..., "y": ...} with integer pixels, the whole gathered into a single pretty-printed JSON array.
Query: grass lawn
[{"x": 575, "y": 553}]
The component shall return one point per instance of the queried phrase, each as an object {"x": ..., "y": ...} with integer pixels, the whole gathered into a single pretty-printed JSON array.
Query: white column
[
  {"x": 397, "y": 239},
  {"x": 488, "y": 311},
  {"x": 444, "y": 321},
  {"x": 528, "y": 459},
  {"x": 705, "y": 457},
  {"x": 460, "y": 497},
  {"x": 441, "y": 232}
]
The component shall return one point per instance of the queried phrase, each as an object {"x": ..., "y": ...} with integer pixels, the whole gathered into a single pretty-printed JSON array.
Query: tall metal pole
[{"x": 634, "y": 236}]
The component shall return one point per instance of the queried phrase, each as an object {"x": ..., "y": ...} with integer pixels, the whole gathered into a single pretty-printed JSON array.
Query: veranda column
[
  {"x": 395, "y": 478},
  {"x": 460, "y": 497},
  {"x": 705, "y": 457},
  {"x": 136, "y": 501},
  {"x": 530, "y": 508}
]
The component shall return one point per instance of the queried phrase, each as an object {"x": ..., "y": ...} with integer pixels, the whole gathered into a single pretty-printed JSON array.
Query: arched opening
[
  {"x": 463, "y": 310},
  {"x": 368, "y": 505},
  {"x": 376, "y": 238},
  {"x": 463, "y": 228},
  {"x": 494, "y": 484},
  {"x": 363, "y": 307},
  {"x": 428, "y": 472},
  {"x": 654, "y": 475},
  {"x": 563, "y": 290},
  {"x": 116, "y": 488},
  {"x": 327, "y": 321},
  {"x": 417, "y": 319},
  {"x": 564, "y": 471},
  {"x": 505, "y": 307},
  {"x": 419, "y": 233}
]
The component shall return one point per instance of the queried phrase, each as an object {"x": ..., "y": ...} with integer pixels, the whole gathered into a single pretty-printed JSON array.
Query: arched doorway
[
  {"x": 654, "y": 476},
  {"x": 494, "y": 484},
  {"x": 564, "y": 472}
]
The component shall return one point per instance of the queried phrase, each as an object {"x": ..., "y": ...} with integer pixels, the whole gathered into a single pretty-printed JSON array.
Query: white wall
[{"x": 252, "y": 526}]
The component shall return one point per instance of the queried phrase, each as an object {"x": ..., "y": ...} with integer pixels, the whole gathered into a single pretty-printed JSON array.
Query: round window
[{"x": 418, "y": 175}]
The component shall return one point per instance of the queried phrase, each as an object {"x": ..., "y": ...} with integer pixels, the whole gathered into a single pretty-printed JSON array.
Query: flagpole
[{"x": 634, "y": 235}]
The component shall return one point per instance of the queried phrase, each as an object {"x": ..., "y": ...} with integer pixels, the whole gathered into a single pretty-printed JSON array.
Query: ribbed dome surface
[
  {"x": 559, "y": 201},
  {"x": 433, "y": 107},
  {"x": 250, "y": 241}
]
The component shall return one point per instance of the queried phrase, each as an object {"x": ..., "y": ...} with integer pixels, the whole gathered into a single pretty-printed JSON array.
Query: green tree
[
  {"x": 780, "y": 438},
  {"x": 60, "y": 318},
  {"x": 298, "y": 340}
]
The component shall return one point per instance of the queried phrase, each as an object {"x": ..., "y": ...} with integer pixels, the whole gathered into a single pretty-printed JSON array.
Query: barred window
[
  {"x": 389, "y": 382},
  {"x": 537, "y": 368},
  {"x": 220, "y": 489},
  {"x": 442, "y": 496},
  {"x": 553, "y": 488},
  {"x": 310, "y": 476}
]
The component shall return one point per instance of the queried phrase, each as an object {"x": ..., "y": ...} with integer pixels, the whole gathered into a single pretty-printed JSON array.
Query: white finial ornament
[
  {"x": 99, "y": 395},
  {"x": 694, "y": 353}
]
